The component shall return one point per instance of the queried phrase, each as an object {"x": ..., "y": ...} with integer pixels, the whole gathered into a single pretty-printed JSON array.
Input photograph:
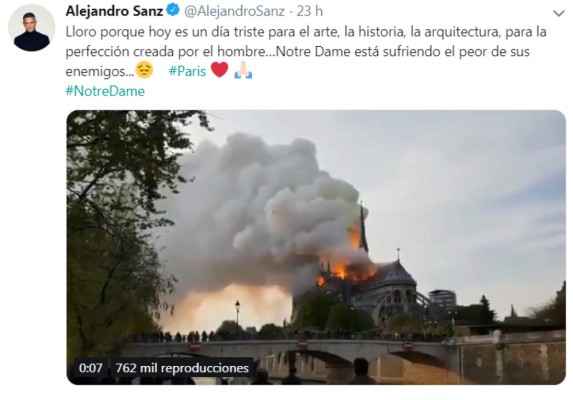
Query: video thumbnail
[{"x": 315, "y": 247}]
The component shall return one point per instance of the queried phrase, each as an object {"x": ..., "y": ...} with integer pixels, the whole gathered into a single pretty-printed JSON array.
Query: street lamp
[{"x": 237, "y": 306}]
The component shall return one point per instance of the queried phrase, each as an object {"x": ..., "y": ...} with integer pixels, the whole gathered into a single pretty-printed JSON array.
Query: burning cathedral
[{"x": 381, "y": 289}]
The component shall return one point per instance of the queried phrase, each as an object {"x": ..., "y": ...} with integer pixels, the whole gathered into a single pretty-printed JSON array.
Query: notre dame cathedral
[{"x": 381, "y": 289}]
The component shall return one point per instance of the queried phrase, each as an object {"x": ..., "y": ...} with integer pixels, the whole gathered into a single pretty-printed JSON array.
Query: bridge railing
[{"x": 166, "y": 337}]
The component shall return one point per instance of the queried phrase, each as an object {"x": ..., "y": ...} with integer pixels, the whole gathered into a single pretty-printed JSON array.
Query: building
[
  {"x": 381, "y": 289},
  {"x": 514, "y": 319},
  {"x": 444, "y": 299}
]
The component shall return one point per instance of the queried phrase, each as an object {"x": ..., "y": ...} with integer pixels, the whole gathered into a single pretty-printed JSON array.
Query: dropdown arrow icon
[{"x": 559, "y": 13}]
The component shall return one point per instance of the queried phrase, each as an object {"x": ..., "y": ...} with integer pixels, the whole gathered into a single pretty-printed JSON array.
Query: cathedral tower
[{"x": 363, "y": 243}]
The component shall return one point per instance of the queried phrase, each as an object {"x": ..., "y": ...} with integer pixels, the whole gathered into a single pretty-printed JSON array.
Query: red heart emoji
[{"x": 219, "y": 69}]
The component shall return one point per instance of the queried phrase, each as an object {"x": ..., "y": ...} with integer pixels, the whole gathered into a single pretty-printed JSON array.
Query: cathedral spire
[
  {"x": 363, "y": 243},
  {"x": 513, "y": 313},
  {"x": 328, "y": 269}
]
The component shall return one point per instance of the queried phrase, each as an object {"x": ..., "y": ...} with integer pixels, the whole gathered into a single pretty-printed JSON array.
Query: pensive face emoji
[{"x": 144, "y": 69}]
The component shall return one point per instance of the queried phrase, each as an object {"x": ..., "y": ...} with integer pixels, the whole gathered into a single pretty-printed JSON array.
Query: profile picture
[{"x": 31, "y": 28}]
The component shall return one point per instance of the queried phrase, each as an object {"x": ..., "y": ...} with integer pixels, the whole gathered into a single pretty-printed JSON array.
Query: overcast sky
[{"x": 474, "y": 200}]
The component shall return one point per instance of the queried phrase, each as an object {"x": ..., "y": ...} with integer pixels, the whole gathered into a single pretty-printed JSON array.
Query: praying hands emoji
[{"x": 242, "y": 72}]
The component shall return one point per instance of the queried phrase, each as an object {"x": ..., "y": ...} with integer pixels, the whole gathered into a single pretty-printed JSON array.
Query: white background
[{"x": 32, "y": 149}]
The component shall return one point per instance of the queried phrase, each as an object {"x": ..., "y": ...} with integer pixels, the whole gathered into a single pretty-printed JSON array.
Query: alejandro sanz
[{"x": 113, "y": 11}]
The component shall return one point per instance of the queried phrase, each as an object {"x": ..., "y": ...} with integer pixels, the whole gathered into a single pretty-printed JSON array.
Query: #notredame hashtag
[
  {"x": 172, "y": 71},
  {"x": 104, "y": 91}
]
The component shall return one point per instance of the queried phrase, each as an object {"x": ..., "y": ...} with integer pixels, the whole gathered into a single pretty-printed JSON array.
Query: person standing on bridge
[{"x": 361, "y": 371}]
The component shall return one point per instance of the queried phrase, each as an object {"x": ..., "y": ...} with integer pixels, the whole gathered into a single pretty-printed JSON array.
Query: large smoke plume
[{"x": 257, "y": 215}]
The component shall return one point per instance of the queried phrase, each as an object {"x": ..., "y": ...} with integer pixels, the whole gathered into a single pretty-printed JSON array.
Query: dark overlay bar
[
  {"x": 168, "y": 367},
  {"x": 91, "y": 367}
]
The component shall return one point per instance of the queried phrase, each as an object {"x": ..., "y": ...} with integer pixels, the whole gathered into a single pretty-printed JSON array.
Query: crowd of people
[{"x": 197, "y": 337}]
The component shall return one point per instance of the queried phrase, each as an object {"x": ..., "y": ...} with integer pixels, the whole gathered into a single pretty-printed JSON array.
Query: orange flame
[
  {"x": 355, "y": 273},
  {"x": 339, "y": 271},
  {"x": 339, "y": 268},
  {"x": 354, "y": 236}
]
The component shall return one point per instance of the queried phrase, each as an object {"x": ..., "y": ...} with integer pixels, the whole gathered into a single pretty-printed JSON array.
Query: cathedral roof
[{"x": 394, "y": 273}]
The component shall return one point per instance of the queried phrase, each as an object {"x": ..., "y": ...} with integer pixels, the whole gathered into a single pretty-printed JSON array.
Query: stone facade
[{"x": 515, "y": 359}]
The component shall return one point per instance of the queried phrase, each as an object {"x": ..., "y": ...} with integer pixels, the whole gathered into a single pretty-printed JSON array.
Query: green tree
[
  {"x": 402, "y": 323},
  {"x": 228, "y": 327},
  {"x": 115, "y": 282},
  {"x": 344, "y": 317},
  {"x": 118, "y": 165},
  {"x": 314, "y": 311},
  {"x": 341, "y": 316},
  {"x": 471, "y": 313},
  {"x": 552, "y": 312},
  {"x": 480, "y": 313},
  {"x": 107, "y": 149},
  {"x": 363, "y": 320},
  {"x": 487, "y": 315},
  {"x": 270, "y": 331}
]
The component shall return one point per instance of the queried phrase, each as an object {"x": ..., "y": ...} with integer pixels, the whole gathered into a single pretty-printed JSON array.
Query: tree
[
  {"x": 480, "y": 313},
  {"x": 270, "y": 331},
  {"x": 314, "y": 311},
  {"x": 106, "y": 149},
  {"x": 114, "y": 283},
  {"x": 487, "y": 316},
  {"x": 402, "y": 323},
  {"x": 471, "y": 313},
  {"x": 344, "y": 317},
  {"x": 118, "y": 165},
  {"x": 341, "y": 317},
  {"x": 552, "y": 312},
  {"x": 228, "y": 327},
  {"x": 439, "y": 329},
  {"x": 363, "y": 320}
]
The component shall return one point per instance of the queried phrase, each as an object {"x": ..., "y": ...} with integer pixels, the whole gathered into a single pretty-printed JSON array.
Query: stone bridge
[
  {"x": 337, "y": 355},
  {"x": 332, "y": 351},
  {"x": 521, "y": 358}
]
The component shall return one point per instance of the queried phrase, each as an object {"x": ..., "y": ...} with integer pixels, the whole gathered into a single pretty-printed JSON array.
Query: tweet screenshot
[{"x": 286, "y": 192}]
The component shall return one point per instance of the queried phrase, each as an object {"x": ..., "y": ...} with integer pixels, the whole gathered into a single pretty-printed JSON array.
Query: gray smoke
[{"x": 257, "y": 215}]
